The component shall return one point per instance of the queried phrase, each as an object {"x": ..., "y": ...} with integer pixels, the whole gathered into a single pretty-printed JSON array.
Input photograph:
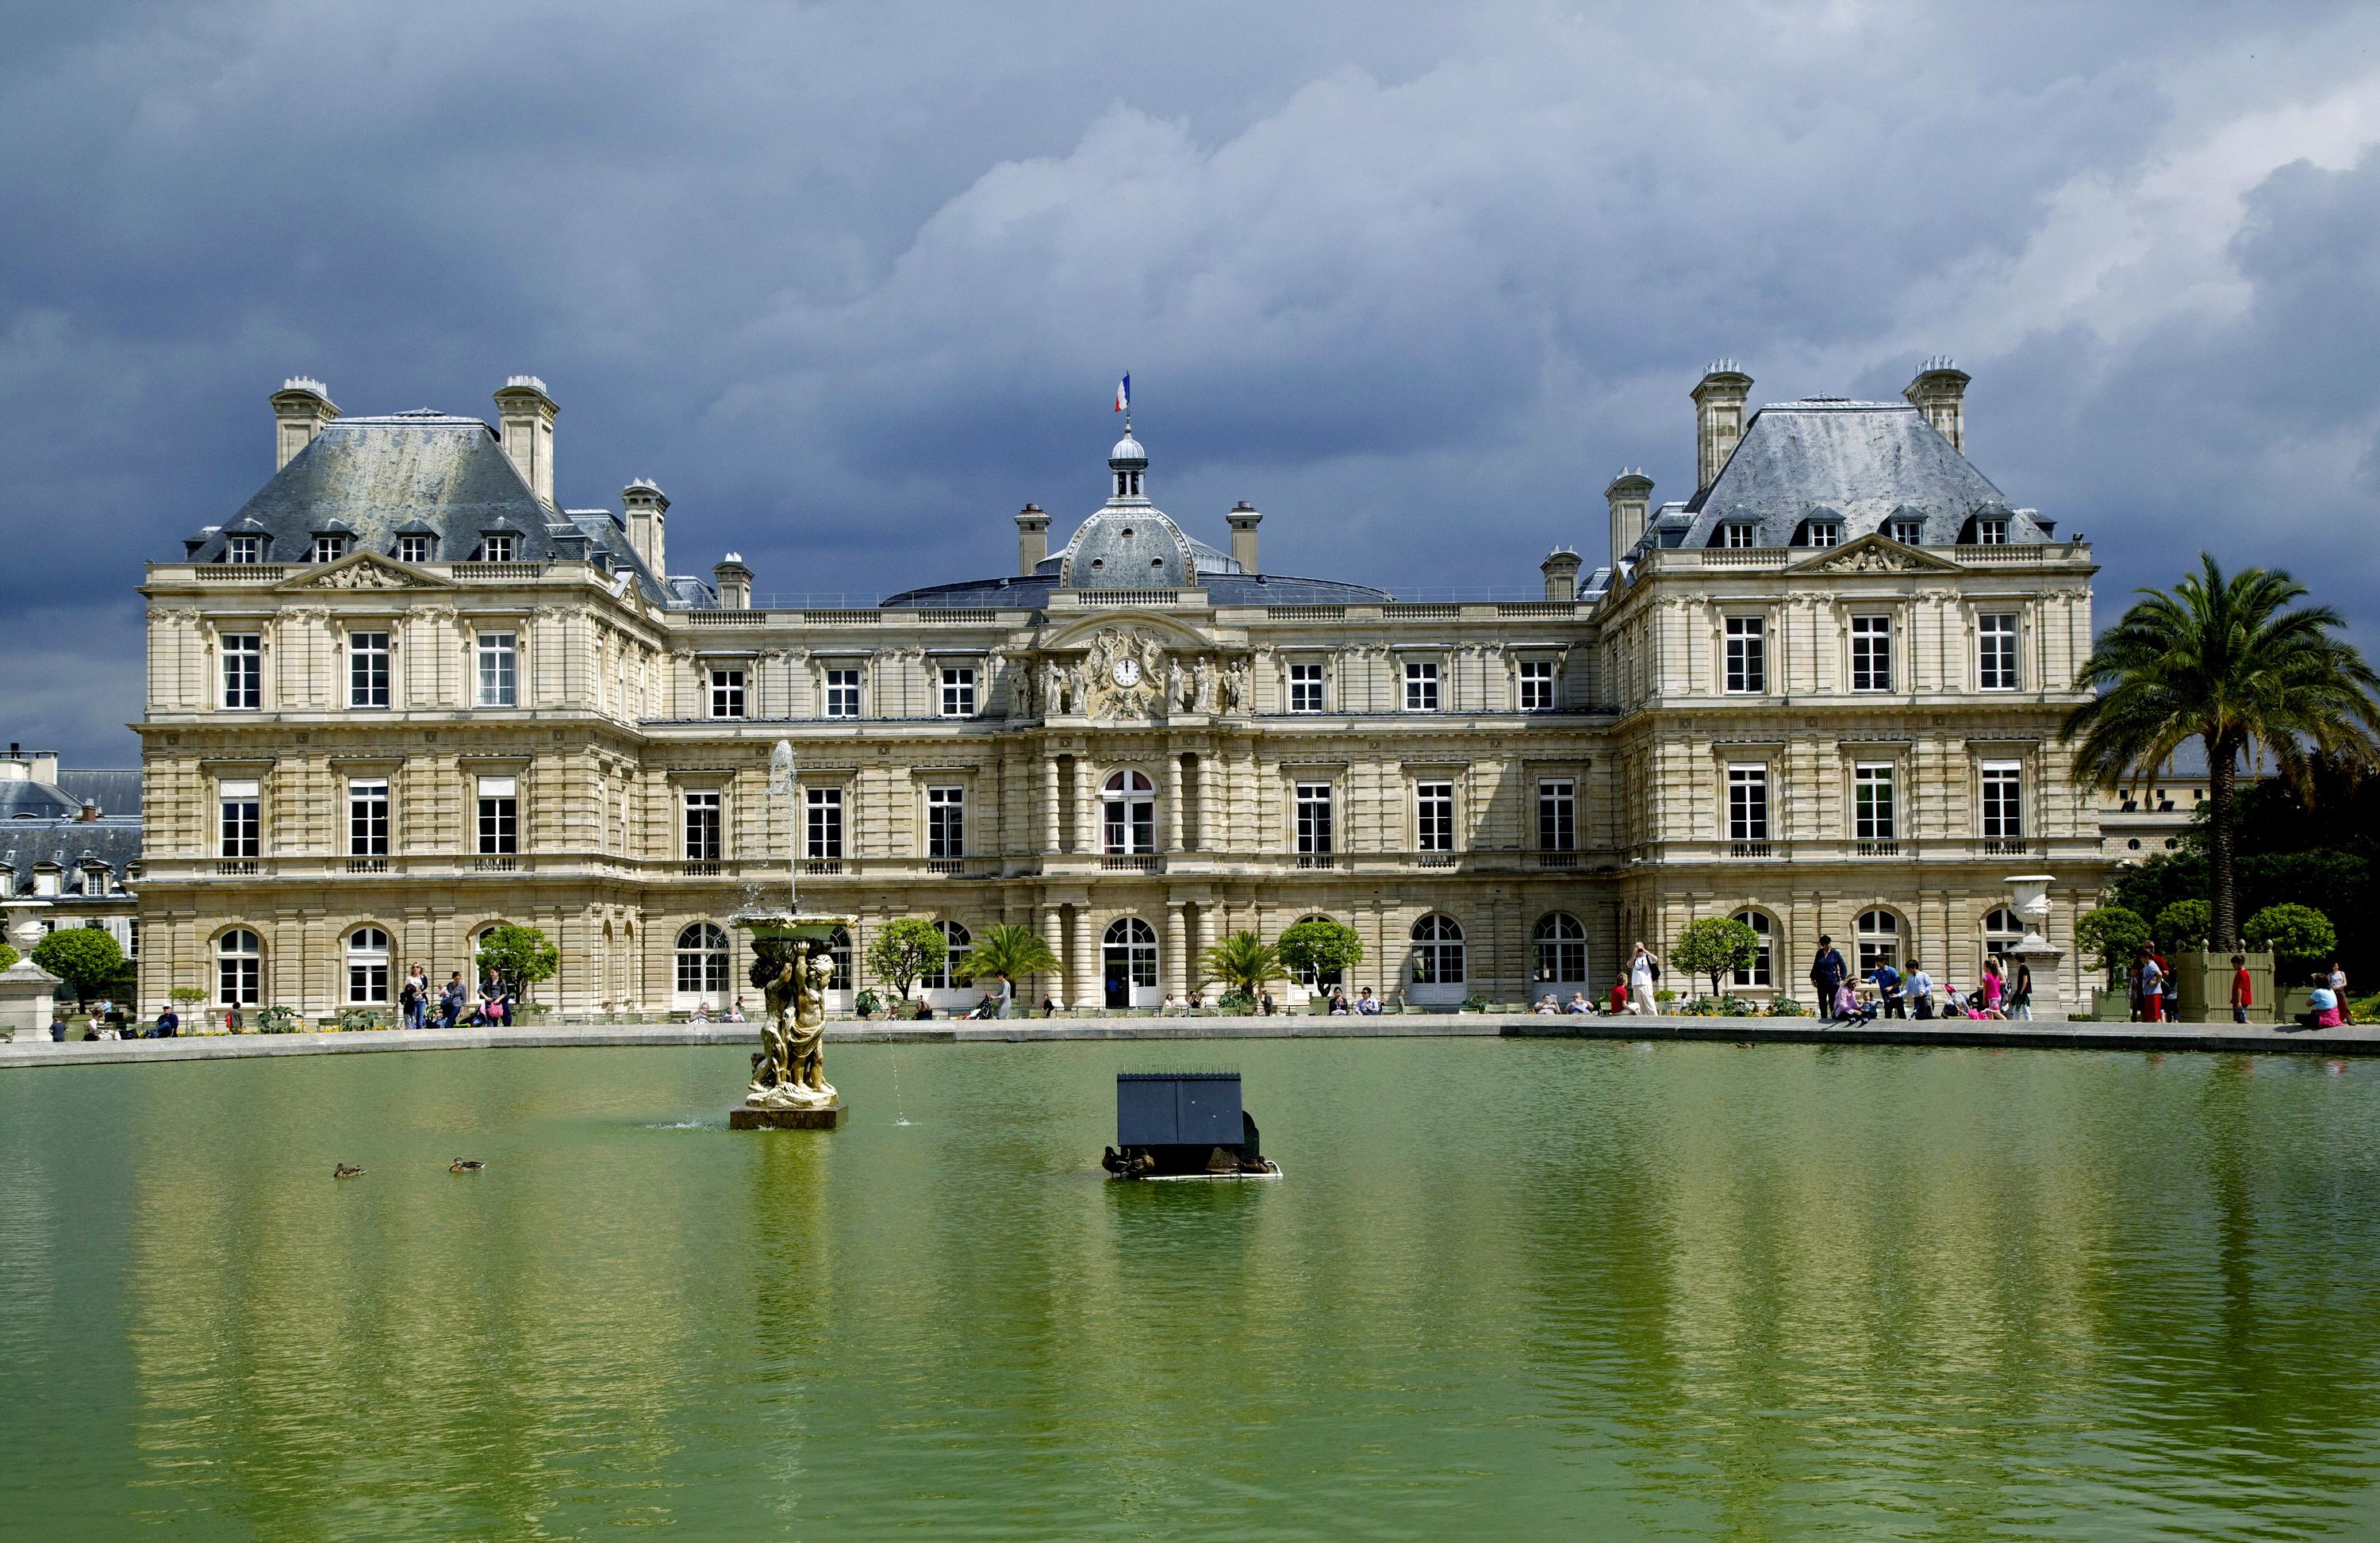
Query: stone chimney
[
  {"x": 299, "y": 409},
  {"x": 1630, "y": 499},
  {"x": 527, "y": 415},
  {"x": 1561, "y": 568},
  {"x": 45, "y": 766},
  {"x": 734, "y": 582},
  {"x": 1719, "y": 418},
  {"x": 1032, "y": 537},
  {"x": 1940, "y": 391},
  {"x": 1245, "y": 520},
  {"x": 647, "y": 509}
]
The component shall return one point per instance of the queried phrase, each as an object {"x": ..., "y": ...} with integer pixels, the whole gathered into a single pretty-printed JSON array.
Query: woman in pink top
[{"x": 1991, "y": 985}]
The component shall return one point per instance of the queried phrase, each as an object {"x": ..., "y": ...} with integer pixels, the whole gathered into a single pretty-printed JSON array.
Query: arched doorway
[
  {"x": 702, "y": 959},
  {"x": 1129, "y": 961},
  {"x": 1878, "y": 932},
  {"x": 946, "y": 983},
  {"x": 239, "y": 968},
  {"x": 839, "y": 993},
  {"x": 1439, "y": 966},
  {"x": 1558, "y": 957},
  {"x": 1762, "y": 972},
  {"x": 368, "y": 968}
]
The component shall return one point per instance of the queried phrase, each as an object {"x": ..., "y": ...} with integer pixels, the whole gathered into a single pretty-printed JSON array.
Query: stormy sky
[{"x": 854, "y": 283}]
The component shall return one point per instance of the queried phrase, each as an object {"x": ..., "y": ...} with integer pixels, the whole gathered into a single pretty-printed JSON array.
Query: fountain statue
[{"x": 793, "y": 968}]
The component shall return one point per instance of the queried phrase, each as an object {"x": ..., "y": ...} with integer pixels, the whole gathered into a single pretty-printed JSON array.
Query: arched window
[
  {"x": 2002, "y": 931},
  {"x": 1559, "y": 946},
  {"x": 947, "y": 973},
  {"x": 1438, "y": 951},
  {"x": 1130, "y": 800},
  {"x": 838, "y": 948},
  {"x": 1762, "y": 971},
  {"x": 239, "y": 968},
  {"x": 1129, "y": 956},
  {"x": 1878, "y": 934},
  {"x": 366, "y": 967},
  {"x": 702, "y": 963},
  {"x": 1321, "y": 979}
]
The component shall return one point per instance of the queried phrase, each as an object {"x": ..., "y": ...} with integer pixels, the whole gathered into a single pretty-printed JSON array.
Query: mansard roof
[
  {"x": 1854, "y": 464},
  {"x": 418, "y": 472}
]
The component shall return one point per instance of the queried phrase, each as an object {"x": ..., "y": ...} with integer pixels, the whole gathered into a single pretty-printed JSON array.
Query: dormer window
[
  {"x": 496, "y": 548},
  {"x": 328, "y": 549},
  {"x": 1991, "y": 532},
  {"x": 1824, "y": 532},
  {"x": 1738, "y": 536},
  {"x": 413, "y": 549},
  {"x": 1908, "y": 532},
  {"x": 243, "y": 549}
]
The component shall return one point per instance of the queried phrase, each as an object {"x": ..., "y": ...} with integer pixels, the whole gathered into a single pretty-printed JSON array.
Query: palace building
[{"x": 404, "y": 695}]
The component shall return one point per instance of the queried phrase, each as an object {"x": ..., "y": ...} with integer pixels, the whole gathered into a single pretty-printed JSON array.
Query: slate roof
[
  {"x": 23, "y": 846},
  {"x": 1859, "y": 464},
  {"x": 115, "y": 790},
  {"x": 416, "y": 472}
]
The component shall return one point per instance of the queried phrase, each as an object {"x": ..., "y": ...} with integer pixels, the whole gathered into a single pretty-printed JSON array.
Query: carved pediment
[
  {"x": 1872, "y": 555},
  {"x": 365, "y": 570}
]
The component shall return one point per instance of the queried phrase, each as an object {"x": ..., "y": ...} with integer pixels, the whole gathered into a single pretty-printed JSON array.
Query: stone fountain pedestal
[{"x": 793, "y": 1025}]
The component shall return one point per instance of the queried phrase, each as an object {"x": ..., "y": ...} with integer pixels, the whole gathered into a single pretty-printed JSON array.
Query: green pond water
[{"x": 1512, "y": 1289}]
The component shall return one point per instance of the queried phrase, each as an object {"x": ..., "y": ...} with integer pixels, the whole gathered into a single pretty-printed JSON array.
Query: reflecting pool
[{"x": 1514, "y": 1288}]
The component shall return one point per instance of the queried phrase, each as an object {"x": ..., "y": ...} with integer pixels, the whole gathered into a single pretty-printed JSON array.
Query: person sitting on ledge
[
  {"x": 701, "y": 1013},
  {"x": 1049, "y": 1007},
  {"x": 986, "y": 1006},
  {"x": 1617, "y": 1005},
  {"x": 1339, "y": 1008},
  {"x": 1579, "y": 1005},
  {"x": 1366, "y": 1004},
  {"x": 925, "y": 1009},
  {"x": 1546, "y": 1006},
  {"x": 2322, "y": 1011},
  {"x": 169, "y": 1023}
]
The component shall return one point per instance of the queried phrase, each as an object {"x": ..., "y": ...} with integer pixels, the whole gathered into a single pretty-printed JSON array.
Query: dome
[
  {"x": 1128, "y": 548},
  {"x": 1127, "y": 451}
]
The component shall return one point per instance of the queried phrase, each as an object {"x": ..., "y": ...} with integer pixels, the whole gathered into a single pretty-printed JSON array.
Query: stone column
[
  {"x": 1051, "y": 833},
  {"x": 1090, "y": 980},
  {"x": 1087, "y": 806},
  {"x": 1172, "y": 801},
  {"x": 1177, "y": 949},
  {"x": 1053, "y": 932},
  {"x": 1210, "y": 826}
]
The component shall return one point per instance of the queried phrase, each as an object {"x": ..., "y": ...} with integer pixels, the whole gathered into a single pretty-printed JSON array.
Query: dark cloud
[{"x": 853, "y": 281}]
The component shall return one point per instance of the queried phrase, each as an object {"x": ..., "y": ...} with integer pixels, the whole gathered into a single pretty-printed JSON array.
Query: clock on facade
[{"x": 1126, "y": 672}]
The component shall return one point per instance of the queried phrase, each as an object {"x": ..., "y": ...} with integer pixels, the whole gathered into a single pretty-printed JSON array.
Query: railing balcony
[
  {"x": 1131, "y": 862},
  {"x": 367, "y": 864},
  {"x": 237, "y": 867},
  {"x": 1995, "y": 847},
  {"x": 1557, "y": 860},
  {"x": 1316, "y": 860},
  {"x": 493, "y": 864},
  {"x": 1754, "y": 850},
  {"x": 701, "y": 868},
  {"x": 1877, "y": 849},
  {"x": 823, "y": 867}
]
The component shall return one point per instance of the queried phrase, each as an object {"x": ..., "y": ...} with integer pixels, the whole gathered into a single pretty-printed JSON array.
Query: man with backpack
[{"x": 1643, "y": 971}]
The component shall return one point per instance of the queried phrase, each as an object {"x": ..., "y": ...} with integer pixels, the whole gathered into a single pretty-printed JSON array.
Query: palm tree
[
  {"x": 2237, "y": 665},
  {"x": 1242, "y": 963},
  {"x": 1011, "y": 950}
]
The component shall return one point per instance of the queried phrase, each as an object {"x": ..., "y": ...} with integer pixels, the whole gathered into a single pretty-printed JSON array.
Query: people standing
[
  {"x": 2152, "y": 989},
  {"x": 450, "y": 1002},
  {"x": 1643, "y": 971},
  {"x": 1887, "y": 981},
  {"x": 2020, "y": 998},
  {"x": 2338, "y": 991},
  {"x": 1920, "y": 990},
  {"x": 2243, "y": 990},
  {"x": 1995, "y": 984},
  {"x": 1827, "y": 976}
]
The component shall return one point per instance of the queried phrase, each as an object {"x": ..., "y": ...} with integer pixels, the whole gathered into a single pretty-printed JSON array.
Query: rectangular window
[
  {"x": 1434, "y": 816},
  {"x": 702, "y": 827},
  {"x": 1747, "y": 803},
  {"x": 1991, "y": 532},
  {"x": 243, "y": 670},
  {"x": 1747, "y": 653},
  {"x": 413, "y": 549},
  {"x": 2003, "y": 800},
  {"x": 328, "y": 549},
  {"x": 1421, "y": 686},
  {"x": 1872, "y": 802},
  {"x": 824, "y": 809},
  {"x": 1908, "y": 532},
  {"x": 1871, "y": 653},
  {"x": 945, "y": 822},
  {"x": 727, "y": 693},
  {"x": 1558, "y": 815},
  {"x": 497, "y": 549},
  {"x": 499, "y": 817},
  {"x": 1740, "y": 536},
  {"x": 958, "y": 691},
  {"x": 368, "y": 818},
  {"x": 367, "y": 669},
  {"x": 1305, "y": 689},
  {"x": 1826, "y": 533},
  {"x": 1537, "y": 686},
  {"x": 1312, "y": 818},
  {"x": 243, "y": 549},
  {"x": 1996, "y": 652},
  {"x": 242, "y": 824},
  {"x": 499, "y": 669},
  {"x": 843, "y": 693}
]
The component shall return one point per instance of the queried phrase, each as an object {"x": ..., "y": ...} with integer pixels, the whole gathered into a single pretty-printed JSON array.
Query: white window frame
[
  {"x": 703, "y": 818},
  {"x": 371, "y": 661},
  {"x": 1991, "y": 532},
  {"x": 1557, "y": 814},
  {"x": 2000, "y": 806},
  {"x": 239, "y": 967},
  {"x": 1434, "y": 816},
  {"x": 946, "y": 821},
  {"x": 497, "y": 547},
  {"x": 243, "y": 671},
  {"x": 1736, "y": 535},
  {"x": 1996, "y": 654},
  {"x": 1315, "y": 805},
  {"x": 1826, "y": 533},
  {"x": 1871, "y": 653},
  {"x": 1876, "y": 801},
  {"x": 1762, "y": 971},
  {"x": 1421, "y": 686},
  {"x": 822, "y": 824},
  {"x": 240, "y": 819},
  {"x": 1127, "y": 813},
  {"x": 244, "y": 551},
  {"x": 498, "y": 681},
  {"x": 727, "y": 692},
  {"x": 327, "y": 549},
  {"x": 1305, "y": 689},
  {"x": 1537, "y": 685},
  {"x": 367, "y": 964},
  {"x": 499, "y": 817},
  {"x": 843, "y": 686},
  {"x": 1908, "y": 532},
  {"x": 958, "y": 690},
  {"x": 1747, "y": 801},
  {"x": 1746, "y": 661},
  {"x": 415, "y": 547},
  {"x": 1870, "y": 946},
  {"x": 367, "y": 817}
]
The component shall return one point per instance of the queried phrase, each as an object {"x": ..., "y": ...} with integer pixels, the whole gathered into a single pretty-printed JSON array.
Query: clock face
[{"x": 1126, "y": 672}]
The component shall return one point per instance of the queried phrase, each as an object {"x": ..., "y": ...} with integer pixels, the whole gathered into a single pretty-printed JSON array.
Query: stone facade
[{"x": 403, "y": 697}]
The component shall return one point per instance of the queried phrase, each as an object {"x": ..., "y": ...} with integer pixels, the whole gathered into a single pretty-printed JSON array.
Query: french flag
[{"x": 1123, "y": 394}]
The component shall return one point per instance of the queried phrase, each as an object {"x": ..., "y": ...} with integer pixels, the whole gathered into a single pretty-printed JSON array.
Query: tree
[
  {"x": 1011, "y": 950},
  {"x": 1714, "y": 946},
  {"x": 2297, "y": 935},
  {"x": 518, "y": 956},
  {"x": 2185, "y": 924},
  {"x": 86, "y": 958},
  {"x": 2237, "y": 665},
  {"x": 1318, "y": 946},
  {"x": 2112, "y": 935},
  {"x": 903, "y": 948},
  {"x": 1241, "y": 961},
  {"x": 8, "y": 957}
]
